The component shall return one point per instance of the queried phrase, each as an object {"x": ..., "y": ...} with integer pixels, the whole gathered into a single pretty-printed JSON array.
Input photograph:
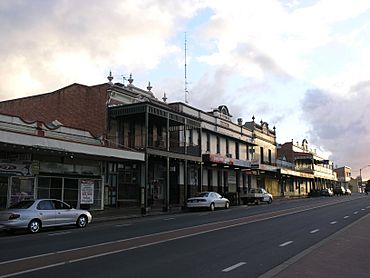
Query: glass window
[
  {"x": 60, "y": 205},
  {"x": 45, "y": 205},
  {"x": 21, "y": 189},
  {"x": 22, "y": 205}
]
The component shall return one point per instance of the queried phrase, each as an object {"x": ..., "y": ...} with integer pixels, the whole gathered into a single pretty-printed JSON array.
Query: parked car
[
  {"x": 211, "y": 200},
  {"x": 347, "y": 191},
  {"x": 326, "y": 192},
  {"x": 36, "y": 214},
  {"x": 339, "y": 190},
  {"x": 256, "y": 196}
]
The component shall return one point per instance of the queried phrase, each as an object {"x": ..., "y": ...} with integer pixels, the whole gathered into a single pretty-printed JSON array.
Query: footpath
[{"x": 343, "y": 254}]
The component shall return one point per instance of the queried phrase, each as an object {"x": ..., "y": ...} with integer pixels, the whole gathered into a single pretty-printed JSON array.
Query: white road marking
[
  {"x": 123, "y": 225},
  {"x": 355, "y": 212},
  {"x": 58, "y": 233},
  {"x": 233, "y": 267},
  {"x": 286, "y": 243},
  {"x": 314, "y": 231},
  {"x": 333, "y": 222},
  {"x": 345, "y": 217}
]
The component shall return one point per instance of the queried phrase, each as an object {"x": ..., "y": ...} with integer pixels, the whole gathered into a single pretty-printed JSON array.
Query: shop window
[
  {"x": 71, "y": 192},
  {"x": 3, "y": 192},
  {"x": 21, "y": 189},
  {"x": 49, "y": 187}
]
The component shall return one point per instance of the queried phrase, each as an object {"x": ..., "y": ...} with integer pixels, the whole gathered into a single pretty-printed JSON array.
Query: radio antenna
[{"x": 186, "y": 81}]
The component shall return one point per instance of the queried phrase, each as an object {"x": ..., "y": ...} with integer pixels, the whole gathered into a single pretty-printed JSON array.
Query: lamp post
[{"x": 361, "y": 174}]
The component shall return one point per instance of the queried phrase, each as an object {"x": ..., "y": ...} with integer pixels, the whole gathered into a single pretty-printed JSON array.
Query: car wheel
[
  {"x": 212, "y": 207},
  {"x": 34, "y": 226},
  {"x": 227, "y": 205},
  {"x": 82, "y": 221}
]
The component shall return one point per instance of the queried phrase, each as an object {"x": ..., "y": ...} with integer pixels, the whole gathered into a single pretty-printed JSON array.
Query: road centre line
[
  {"x": 33, "y": 263},
  {"x": 285, "y": 243},
  {"x": 233, "y": 267},
  {"x": 314, "y": 231}
]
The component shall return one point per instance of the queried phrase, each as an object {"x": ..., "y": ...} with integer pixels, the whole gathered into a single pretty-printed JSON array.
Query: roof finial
[
  {"x": 110, "y": 78},
  {"x": 130, "y": 80},
  {"x": 164, "y": 97},
  {"x": 149, "y": 86}
]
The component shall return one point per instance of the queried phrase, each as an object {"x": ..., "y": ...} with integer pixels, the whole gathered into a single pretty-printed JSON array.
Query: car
[
  {"x": 326, "y": 192},
  {"x": 339, "y": 190},
  {"x": 210, "y": 200},
  {"x": 347, "y": 191},
  {"x": 34, "y": 215}
]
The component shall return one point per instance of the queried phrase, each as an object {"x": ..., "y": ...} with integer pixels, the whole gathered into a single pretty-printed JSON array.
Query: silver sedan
[
  {"x": 209, "y": 200},
  {"x": 35, "y": 214}
]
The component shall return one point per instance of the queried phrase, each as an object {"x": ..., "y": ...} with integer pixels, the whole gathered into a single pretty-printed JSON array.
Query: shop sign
[
  {"x": 220, "y": 159},
  {"x": 16, "y": 169},
  {"x": 87, "y": 192}
]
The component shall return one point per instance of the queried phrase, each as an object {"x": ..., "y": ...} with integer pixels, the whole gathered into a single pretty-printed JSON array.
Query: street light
[{"x": 361, "y": 174}]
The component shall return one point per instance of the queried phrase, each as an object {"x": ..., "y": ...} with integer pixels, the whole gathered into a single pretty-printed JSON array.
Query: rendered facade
[{"x": 153, "y": 154}]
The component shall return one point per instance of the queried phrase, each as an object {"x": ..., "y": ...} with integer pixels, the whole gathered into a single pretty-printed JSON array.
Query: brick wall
[
  {"x": 77, "y": 106},
  {"x": 287, "y": 151}
]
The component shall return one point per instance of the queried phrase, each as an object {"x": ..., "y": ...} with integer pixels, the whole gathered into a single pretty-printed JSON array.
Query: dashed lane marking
[
  {"x": 233, "y": 267},
  {"x": 123, "y": 225},
  {"x": 58, "y": 233},
  {"x": 286, "y": 243},
  {"x": 168, "y": 219}
]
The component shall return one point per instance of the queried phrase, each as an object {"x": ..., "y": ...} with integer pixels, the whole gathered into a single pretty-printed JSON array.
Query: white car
[
  {"x": 36, "y": 214},
  {"x": 209, "y": 200}
]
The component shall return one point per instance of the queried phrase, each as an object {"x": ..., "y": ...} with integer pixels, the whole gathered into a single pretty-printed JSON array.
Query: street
[{"x": 245, "y": 241}]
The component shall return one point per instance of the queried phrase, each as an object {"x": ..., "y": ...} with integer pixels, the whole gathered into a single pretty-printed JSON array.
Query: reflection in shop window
[{"x": 21, "y": 189}]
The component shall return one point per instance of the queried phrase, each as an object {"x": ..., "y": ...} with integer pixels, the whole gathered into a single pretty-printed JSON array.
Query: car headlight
[{"x": 14, "y": 216}]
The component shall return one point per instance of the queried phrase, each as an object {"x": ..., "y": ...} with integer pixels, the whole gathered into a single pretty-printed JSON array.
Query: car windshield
[{"x": 22, "y": 205}]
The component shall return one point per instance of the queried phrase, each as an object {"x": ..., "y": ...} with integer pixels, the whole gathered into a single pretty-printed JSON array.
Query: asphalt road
[{"x": 239, "y": 242}]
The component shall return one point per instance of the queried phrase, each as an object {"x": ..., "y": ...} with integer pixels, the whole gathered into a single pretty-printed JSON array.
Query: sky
[{"x": 301, "y": 66}]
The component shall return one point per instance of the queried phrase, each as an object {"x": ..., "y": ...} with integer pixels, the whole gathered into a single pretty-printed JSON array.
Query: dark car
[
  {"x": 327, "y": 192},
  {"x": 339, "y": 190}
]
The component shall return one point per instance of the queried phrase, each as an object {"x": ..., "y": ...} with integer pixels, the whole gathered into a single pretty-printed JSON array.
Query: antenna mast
[{"x": 186, "y": 81}]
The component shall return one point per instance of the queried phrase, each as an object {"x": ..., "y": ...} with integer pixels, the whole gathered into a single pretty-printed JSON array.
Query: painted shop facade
[{"x": 116, "y": 145}]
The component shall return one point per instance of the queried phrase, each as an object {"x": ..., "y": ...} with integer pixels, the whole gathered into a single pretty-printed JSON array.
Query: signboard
[
  {"x": 16, "y": 169},
  {"x": 87, "y": 192}
]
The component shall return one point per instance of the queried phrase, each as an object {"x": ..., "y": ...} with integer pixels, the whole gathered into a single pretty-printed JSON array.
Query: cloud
[
  {"x": 50, "y": 44},
  {"x": 339, "y": 125}
]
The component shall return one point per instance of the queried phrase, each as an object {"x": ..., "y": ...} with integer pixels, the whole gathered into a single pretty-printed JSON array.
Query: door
[
  {"x": 64, "y": 214},
  {"x": 46, "y": 213}
]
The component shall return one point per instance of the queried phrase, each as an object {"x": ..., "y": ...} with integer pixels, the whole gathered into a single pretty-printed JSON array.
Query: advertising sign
[{"x": 87, "y": 192}]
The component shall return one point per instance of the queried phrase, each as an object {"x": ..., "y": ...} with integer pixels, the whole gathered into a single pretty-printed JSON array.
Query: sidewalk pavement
[{"x": 110, "y": 214}]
